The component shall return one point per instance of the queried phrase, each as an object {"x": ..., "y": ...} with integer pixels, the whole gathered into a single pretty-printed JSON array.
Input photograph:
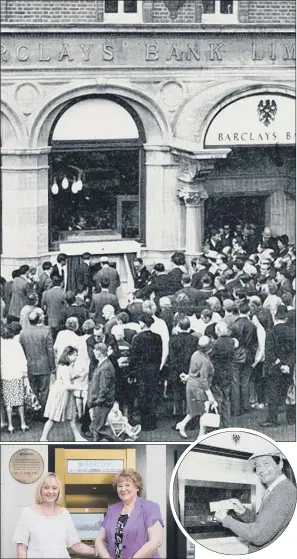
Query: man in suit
[
  {"x": 109, "y": 272},
  {"x": 268, "y": 241},
  {"x": 53, "y": 303},
  {"x": 190, "y": 292},
  {"x": 37, "y": 343},
  {"x": 101, "y": 391},
  {"x": 160, "y": 283},
  {"x": 99, "y": 300},
  {"x": 44, "y": 280},
  {"x": 82, "y": 275},
  {"x": 73, "y": 309},
  {"x": 142, "y": 274},
  {"x": 60, "y": 269},
  {"x": 276, "y": 510},
  {"x": 21, "y": 287},
  {"x": 280, "y": 359},
  {"x": 215, "y": 241}
]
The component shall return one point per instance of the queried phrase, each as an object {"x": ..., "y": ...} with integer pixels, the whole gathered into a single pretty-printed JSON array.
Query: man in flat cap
[{"x": 276, "y": 510}]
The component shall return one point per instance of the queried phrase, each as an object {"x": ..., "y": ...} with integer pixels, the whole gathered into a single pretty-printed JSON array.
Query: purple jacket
[{"x": 144, "y": 515}]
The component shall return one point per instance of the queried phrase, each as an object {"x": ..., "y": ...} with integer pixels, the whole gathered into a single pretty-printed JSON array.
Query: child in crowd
[{"x": 60, "y": 405}]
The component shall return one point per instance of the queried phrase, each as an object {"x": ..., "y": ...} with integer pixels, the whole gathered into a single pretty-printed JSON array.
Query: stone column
[
  {"x": 192, "y": 191},
  {"x": 24, "y": 204}
]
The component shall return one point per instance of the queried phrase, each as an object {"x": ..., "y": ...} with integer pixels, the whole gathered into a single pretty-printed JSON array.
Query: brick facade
[{"x": 155, "y": 11}]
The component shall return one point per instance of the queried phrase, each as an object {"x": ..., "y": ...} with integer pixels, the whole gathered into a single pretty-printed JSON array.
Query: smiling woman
[
  {"x": 133, "y": 526},
  {"x": 46, "y": 529}
]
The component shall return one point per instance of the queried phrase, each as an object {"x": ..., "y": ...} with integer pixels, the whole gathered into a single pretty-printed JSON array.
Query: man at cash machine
[{"x": 276, "y": 510}]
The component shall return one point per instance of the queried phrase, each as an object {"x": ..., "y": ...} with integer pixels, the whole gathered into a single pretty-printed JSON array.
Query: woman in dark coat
[
  {"x": 145, "y": 362},
  {"x": 198, "y": 385}
]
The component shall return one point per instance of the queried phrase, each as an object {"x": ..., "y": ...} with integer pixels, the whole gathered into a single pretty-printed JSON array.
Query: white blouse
[{"x": 46, "y": 536}]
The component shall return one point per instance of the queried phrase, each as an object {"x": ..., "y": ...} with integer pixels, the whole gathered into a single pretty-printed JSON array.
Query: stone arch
[
  {"x": 157, "y": 128},
  {"x": 13, "y": 128},
  {"x": 199, "y": 109}
]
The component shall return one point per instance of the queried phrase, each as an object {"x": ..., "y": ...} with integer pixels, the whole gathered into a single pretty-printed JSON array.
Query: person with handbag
[{"x": 198, "y": 383}]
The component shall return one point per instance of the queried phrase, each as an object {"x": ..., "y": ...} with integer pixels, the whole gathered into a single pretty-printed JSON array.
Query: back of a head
[
  {"x": 34, "y": 317},
  {"x": 32, "y": 299},
  {"x": 62, "y": 257},
  {"x": 281, "y": 313},
  {"x": 149, "y": 307},
  {"x": 24, "y": 269},
  {"x": 6, "y": 332},
  {"x": 206, "y": 281},
  {"x": 272, "y": 288},
  {"x": 56, "y": 281},
  {"x": 139, "y": 260},
  {"x": 184, "y": 323},
  {"x": 102, "y": 348},
  {"x": 214, "y": 304},
  {"x": 186, "y": 279},
  {"x": 123, "y": 318},
  {"x": 159, "y": 267},
  {"x": 105, "y": 282},
  {"x": 228, "y": 305},
  {"x": 15, "y": 273},
  {"x": 70, "y": 297},
  {"x": 221, "y": 328},
  {"x": 46, "y": 265},
  {"x": 86, "y": 256},
  {"x": 206, "y": 313},
  {"x": 88, "y": 326},
  {"x": 244, "y": 308},
  {"x": 178, "y": 258},
  {"x": 146, "y": 319},
  {"x": 202, "y": 261},
  {"x": 165, "y": 303},
  {"x": 72, "y": 323}
]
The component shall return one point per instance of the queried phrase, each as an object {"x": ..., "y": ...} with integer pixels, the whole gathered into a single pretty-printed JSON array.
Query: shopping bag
[
  {"x": 31, "y": 400},
  {"x": 210, "y": 419}
]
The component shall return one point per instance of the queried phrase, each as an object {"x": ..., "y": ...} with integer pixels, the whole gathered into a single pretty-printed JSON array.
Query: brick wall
[
  {"x": 52, "y": 11},
  {"x": 91, "y": 11},
  {"x": 271, "y": 11}
]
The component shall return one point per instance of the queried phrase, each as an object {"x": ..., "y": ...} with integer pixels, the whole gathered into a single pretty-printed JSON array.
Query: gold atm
[{"x": 86, "y": 477}]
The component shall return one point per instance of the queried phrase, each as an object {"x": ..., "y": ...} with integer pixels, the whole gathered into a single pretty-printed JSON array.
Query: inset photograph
[{"x": 234, "y": 492}]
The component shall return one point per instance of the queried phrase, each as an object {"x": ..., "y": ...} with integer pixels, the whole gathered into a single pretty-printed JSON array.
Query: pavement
[{"x": 164, "y": 433}]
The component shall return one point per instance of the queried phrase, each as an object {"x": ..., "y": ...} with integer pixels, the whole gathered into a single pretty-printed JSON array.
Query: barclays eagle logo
[{"x": 267, "y": 111}]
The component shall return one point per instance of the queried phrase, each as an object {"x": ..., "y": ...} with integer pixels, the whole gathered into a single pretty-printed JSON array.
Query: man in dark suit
[
  {"x": 109, "y": 272},
  {"x": 215, "y": 241},
  {"x": 142, "y": 274},
  {"x": 60, "y": 269},
  {"x": 73, "y": 309},
  {"x": 99, "y": 300},
  {"x": 145, "y": 363},
  {"x": 101, "y": 391},
  {"x": 268, "y": 241},
  {"x": 280, "y": 358},
  {"x": 44, "y": 280},
  {"x": 83, "y": 280},
  {"x": 21, "y": 287},
  {"x": 53, "y": 303},
  {"x": 160, "y": 283},
  {"x": 37, "y": 343},
  {"x": 190, "y": 292}
]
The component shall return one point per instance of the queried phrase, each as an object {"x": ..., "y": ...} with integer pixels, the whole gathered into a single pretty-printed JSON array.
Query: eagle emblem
[{"x": 267, "y": 111}]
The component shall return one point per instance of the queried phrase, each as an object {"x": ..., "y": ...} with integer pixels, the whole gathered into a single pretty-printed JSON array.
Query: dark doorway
[{"x": 233, "y": 210}]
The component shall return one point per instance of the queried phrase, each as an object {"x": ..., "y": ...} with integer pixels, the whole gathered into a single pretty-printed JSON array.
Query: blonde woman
[
  {"x": 132, "y": 527},
  {"x": 45, "y": 529}
]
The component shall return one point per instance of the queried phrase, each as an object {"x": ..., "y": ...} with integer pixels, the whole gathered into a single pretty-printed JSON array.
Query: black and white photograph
[
  {"x": 234, "y": 492},
  {"x": 148, "y": 219}
]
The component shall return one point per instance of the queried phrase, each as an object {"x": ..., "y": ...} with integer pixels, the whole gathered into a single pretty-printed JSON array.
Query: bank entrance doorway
[{"x": 234, "y": 210}]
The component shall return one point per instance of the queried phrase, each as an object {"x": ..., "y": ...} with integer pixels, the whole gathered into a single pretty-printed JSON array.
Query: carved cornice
[{"x": 192, "y": 171}]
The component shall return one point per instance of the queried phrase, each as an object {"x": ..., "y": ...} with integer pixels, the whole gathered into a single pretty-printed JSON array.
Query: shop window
[
  {"x": 220, "y": 11},
  {"x": 123, "y": 11},
  {"x": 96, "y": 170}
]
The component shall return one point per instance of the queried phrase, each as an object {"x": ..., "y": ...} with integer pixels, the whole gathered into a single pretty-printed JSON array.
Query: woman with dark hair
[
  {"x": 13, "y": 372},
  {"x": 178, "y": 269},
  {"x": 60, "y": 405}
]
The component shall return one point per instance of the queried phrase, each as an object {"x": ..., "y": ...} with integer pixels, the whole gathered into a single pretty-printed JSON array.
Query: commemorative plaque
[{"x": 26, "y": 465}]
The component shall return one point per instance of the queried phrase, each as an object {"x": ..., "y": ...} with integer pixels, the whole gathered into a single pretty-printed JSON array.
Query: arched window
[{"x": 96, "y": 171}]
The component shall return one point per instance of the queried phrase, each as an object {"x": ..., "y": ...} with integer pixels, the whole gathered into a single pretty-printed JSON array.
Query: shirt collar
[{"x": 282, "y": 477}]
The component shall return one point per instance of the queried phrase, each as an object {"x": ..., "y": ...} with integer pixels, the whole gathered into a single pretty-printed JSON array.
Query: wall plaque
[{"x": 26, "y": 465}]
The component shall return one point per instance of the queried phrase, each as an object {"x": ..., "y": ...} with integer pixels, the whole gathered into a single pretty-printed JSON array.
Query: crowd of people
[{"x": 217, "y": 333}]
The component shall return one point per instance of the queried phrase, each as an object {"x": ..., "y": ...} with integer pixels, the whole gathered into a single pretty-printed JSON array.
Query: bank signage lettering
[
  {"x": 258, "y": 119},
  {"x": 144, "y": 51}
]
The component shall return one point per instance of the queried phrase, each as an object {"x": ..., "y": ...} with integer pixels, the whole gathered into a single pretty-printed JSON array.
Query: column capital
[{"x": 192, "y": 196}]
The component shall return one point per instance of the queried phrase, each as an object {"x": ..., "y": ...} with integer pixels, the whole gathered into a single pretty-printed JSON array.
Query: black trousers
[
  {"x": 40, "y": 386},
  {"x": 98, "y": 428},
  {"x": 147, "y": 396},
  {"x": 277, "y": 386}
]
